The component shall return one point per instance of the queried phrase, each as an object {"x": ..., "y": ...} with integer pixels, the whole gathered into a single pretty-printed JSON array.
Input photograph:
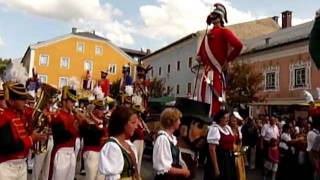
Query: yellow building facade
[{"x": 72, "y": 55}]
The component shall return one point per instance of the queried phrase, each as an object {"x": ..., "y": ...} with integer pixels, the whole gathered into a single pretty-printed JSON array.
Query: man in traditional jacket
[
  {"x": 65, "y": 131},
  {"x": 16, "y": 133},
  {"x": 219, "y": 47}
]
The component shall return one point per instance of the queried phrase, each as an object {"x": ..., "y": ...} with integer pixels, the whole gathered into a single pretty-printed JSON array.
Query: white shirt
[
  {"x": 311, "y": 137},
  {"x": 316, "y": 144},
  {"x": 214, "y": 136},
  {"x": 285, "y": 137},
  {"x": 162, "y": 157},
  {"x": 111, "y": 160},
  {"x": 268, "y": 132}
]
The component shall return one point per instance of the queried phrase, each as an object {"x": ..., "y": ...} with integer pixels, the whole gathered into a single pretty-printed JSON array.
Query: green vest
[{"x": 128, "y": 167}]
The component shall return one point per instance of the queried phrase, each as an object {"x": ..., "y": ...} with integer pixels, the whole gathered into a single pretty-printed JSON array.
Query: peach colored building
[{"x": 288, "y": 69}]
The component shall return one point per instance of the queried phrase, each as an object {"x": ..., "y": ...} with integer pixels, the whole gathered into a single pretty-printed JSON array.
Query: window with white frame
[
  {"x": 80, "y": 47},
  {"x": 44, "y": 60},
  {"x": 64, "y": 62},
  {"x": 112, "y": 68},
  {"x": 63, "y": 81},
  {"x": 300, "y": 75},
  {"x": 99, "y": 50},
  {"x": 88, "y": 65},
  {"x": 271, "y": 78},
  {"x": 43, "y": 78}
]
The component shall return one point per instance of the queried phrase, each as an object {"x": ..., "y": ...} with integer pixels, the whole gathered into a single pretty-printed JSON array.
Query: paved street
[{"x": 147, "y": 172}]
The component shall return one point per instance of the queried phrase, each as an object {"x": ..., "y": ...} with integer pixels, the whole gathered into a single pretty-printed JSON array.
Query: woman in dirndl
[
  {"x": 167, "y": 160},
  {"x": 118, "y": 159},
  {"x": 239, "y": 154},
  {"x": 220, "y": 163}
]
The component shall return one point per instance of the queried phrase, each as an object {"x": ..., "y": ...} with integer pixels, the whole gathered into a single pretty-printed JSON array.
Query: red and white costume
[{"x": 219, "y": 47}]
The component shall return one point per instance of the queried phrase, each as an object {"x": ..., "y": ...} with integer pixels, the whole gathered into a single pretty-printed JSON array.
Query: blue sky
[{"x": 128, "y": 23}]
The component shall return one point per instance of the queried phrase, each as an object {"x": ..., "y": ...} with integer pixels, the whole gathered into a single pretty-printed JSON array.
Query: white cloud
[
  {"x": 85, "y": 14},
  {"x": 172, "y": 19}
]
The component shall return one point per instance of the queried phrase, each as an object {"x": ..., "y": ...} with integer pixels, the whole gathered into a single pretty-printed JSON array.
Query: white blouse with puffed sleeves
[
  {"x": 111, "y": 160},
  {"x": 162, "y": 157}
]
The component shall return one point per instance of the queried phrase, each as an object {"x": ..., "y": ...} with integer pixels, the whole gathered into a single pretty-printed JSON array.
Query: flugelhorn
[{"x": 40, "y": 122}]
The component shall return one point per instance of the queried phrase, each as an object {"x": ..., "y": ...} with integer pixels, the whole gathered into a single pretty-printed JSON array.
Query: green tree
[
  {"x": 244, "y": 84},
  {"x": 3, "y": 65},
  {"x": 158, "y": 88}
]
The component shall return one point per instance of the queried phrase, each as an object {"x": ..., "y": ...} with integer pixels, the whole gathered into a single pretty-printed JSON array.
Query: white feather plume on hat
[
  {"x": 237, "y": 115},
  {"x": 98, "y": 93},
  {"x": 16, "y": 72},
  {"x": 74, "y": 83},
  {"x": 308, "y": 96}
]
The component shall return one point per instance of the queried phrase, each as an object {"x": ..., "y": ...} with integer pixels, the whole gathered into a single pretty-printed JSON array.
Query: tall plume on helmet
[
  {"x": 98, "y": 93},
  {"x": 74, "y": 83},
  {"x": 15, "y": 72},
  {"x": 220, "y": 9}
]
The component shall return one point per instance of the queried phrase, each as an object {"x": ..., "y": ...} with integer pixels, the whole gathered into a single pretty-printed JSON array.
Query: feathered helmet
[
  {"x": 126, "y": 68},
  {"x": 142, "y": 70},
  {"x": 99, "y": 101},
  {"x": 15, "y": 77},
  {"x": 69, "y": 92},
  {"x": 219, "y": 9},
  {"x": 318, "y": 14},
  {"x": 16, "y": 91}
]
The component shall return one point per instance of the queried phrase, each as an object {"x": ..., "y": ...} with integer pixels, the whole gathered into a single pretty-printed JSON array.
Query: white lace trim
[{"x": 224, "y": 130}]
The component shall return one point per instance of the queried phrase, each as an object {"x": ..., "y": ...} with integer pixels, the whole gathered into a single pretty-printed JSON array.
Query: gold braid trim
[
  {"x": 10, "y": 86},
  {"x": 67, "y": 93}
]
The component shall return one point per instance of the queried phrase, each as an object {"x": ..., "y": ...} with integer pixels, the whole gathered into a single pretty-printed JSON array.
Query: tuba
[{"x": 39, "y": 120}]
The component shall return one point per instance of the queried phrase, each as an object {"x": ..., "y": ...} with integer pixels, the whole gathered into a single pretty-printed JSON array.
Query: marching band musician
[
  {"x": 3, "y": 104},
  {"x": 104, "y": 83},
  {"x": 64, "y": 126},
  {"x": 94, "y": 137},
  {"x": 15, "y": 135},
  {"x": 219, "y": 47},
  {"x": 141, "y": 85},
  {"x": 126, "y": 79},
  {"x": 41, "y": 164}
]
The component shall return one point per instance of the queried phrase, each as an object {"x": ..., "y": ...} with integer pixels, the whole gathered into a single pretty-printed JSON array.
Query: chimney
[
  {"x": 148, "y": 51},
  {"x": 276, "y": 18},
  {"x": 94, "y": 32},
  {"x": 74, "y": 30},
  {"x": 286, "y": 19}
]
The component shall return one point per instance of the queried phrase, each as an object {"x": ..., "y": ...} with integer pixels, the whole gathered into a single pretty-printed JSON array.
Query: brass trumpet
[{"x": 40, "y": 122}]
